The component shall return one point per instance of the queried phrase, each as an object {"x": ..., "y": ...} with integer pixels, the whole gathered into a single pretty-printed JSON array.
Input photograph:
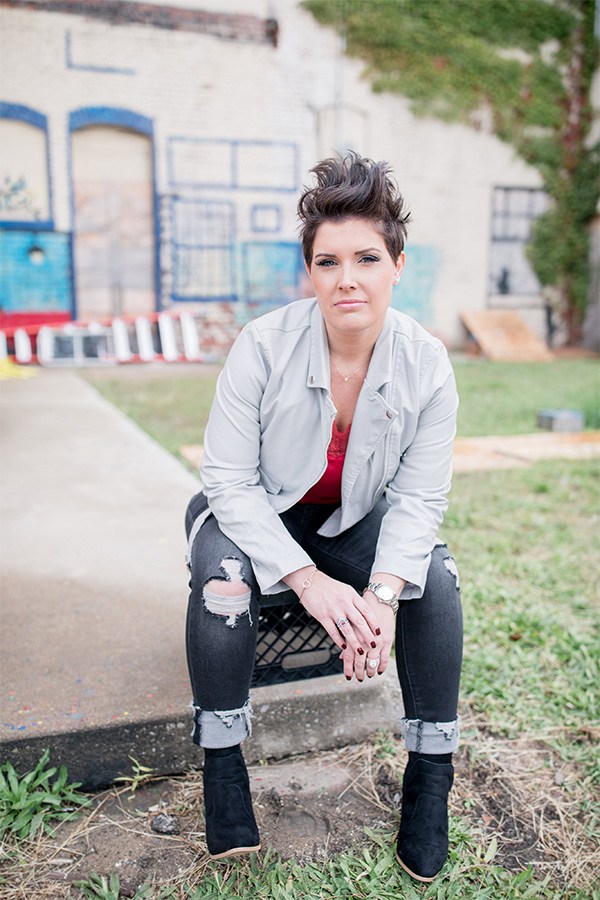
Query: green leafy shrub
[{"x": 29, "y": 803}]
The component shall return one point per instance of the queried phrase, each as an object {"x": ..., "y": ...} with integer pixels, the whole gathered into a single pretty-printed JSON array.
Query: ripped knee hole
[{"x": 228, "y": 596}]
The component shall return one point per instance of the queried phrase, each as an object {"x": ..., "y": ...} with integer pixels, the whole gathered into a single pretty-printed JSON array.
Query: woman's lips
[{"x": 350, "y": 303}]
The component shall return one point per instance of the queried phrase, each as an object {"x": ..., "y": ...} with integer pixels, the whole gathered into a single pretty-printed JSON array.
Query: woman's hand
[
  {"x": 349, "y": 620},
  {"x": 376, "y": 660},
  {"x": 363, "y": 627},
  {"x": 369, "y": 665}
]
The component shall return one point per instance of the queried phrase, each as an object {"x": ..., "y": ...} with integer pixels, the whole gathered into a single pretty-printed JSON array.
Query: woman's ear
[{"x": 399, "y": 267}]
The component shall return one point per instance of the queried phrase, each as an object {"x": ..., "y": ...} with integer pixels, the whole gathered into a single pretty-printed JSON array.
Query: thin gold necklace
[{"x": 345, "y": 377}]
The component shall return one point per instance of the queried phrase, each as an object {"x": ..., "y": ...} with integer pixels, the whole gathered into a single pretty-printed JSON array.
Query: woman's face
[{"x": 353, "y": 276}]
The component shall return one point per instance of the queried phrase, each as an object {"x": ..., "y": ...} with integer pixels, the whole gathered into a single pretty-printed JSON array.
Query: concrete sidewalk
[{"x": 94, "y": 592}]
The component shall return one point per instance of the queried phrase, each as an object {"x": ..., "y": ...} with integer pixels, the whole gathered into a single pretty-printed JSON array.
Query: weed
[
  {"x": 99, "y": 887},
  {"x": 141, "y": 775},
  {"x": 385, "y": 746},
  {"x": 30, "y": 803}
]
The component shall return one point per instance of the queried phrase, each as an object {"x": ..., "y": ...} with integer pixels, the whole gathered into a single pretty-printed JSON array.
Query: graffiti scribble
[{"x": 14, "y": 194}]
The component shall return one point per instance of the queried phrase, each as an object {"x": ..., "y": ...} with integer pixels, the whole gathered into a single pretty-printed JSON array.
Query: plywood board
[
  {"x": 518, "y": 451},
  {"x": 503, "y": 335}
]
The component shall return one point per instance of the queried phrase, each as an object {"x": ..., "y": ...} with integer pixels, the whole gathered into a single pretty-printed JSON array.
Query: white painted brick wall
[{"x": 195, "y": 85}]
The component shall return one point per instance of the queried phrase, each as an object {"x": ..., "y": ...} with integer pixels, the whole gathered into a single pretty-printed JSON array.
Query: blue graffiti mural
[
  {"x": 271, "y": 271},
  {"x": 35, "y": 272},
  {"x": 414, "y": 293}
]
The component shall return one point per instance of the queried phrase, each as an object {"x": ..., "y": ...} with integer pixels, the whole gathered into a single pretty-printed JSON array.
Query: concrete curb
[{"x": 315, "y": 714}]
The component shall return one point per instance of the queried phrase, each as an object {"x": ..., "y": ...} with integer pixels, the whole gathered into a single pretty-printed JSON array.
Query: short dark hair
[{"x": 353, "y": 186}]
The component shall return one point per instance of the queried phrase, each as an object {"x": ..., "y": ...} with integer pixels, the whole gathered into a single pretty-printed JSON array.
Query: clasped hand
[{"x": 362, "y": 627}]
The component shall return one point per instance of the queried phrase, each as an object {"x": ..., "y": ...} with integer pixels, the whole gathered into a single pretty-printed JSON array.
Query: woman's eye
[
  {"x": 370, "y": 259},
  {"x": 326, "y": 262}
]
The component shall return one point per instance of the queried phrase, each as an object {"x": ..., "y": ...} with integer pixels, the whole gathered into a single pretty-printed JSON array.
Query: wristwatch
[{"x": 384, "y": 593}]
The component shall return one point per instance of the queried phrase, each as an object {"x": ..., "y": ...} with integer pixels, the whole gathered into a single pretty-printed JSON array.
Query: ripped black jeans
[{"x": 221, "y": 630}]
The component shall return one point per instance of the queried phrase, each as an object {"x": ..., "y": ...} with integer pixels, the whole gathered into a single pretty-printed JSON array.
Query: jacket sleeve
[
  {"x": 418, "y": 491},
  {"x": 230, "y": 467}
]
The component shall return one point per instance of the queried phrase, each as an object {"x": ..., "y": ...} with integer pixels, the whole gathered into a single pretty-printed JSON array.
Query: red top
[{"x": 328, "y": 488}]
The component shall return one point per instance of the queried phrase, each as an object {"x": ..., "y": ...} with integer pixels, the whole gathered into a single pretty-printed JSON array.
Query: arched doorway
[{"x": 113, "y": 218}]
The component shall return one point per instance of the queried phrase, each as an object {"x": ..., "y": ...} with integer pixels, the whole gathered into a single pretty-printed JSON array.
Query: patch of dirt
[
  {"x": 520, "y": 792},
  {"x": 315, "y": 806},
  {"x": 320, "y": 807},
  {"x": 307, "y": 809}
]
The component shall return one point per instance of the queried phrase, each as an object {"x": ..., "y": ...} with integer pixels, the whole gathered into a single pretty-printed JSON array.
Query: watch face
[{"x": 385, "y": 592}]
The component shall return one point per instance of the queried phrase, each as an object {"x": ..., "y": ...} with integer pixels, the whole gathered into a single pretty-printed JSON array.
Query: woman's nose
[{"x": 347, "y": 280}]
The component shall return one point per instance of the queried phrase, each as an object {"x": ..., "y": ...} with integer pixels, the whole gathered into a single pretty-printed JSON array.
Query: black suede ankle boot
[
  {"x": 423, "y": 837},
  {"x": 230, "y": 824}
]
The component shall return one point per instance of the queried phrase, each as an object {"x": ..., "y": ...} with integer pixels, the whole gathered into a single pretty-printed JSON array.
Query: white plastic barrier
[
  {"x": 121, "y": 340},
  {"x": 23, "y": 352},
  {"x": 143, "y": 332},
  {"x": 168, "y": 343},
  {"x": 74, "y": 345},
  {"x": 110, "y": 342},
  {"x": 45, "y": 345},
  {"x": 189, "y": 333}
]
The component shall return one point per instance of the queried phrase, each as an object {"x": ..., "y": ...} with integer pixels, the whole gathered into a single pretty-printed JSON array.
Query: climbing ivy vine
[{"x": 523, "y": 66}]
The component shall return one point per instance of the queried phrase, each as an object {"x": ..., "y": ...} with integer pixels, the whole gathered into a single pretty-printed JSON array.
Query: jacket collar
[
  {"x": 318, "y": 369},
  {"x": 380, "y": 367}
]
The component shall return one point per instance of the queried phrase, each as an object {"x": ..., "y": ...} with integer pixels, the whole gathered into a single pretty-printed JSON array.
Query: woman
[{"x": 326, "y": 467}]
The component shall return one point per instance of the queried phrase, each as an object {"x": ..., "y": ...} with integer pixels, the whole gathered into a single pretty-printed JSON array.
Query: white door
[{"x": 114, "y": 226}]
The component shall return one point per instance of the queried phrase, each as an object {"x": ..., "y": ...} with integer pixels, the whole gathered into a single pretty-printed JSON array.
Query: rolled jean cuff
[
  {"x": 430, "y": 737},
  {"x": 216, "y": 728}
]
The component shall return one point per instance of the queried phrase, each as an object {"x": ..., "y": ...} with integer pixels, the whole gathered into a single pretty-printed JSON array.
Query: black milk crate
[{"x": 291, "y": 644}]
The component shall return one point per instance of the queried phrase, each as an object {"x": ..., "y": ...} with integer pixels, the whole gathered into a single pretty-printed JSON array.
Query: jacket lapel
[{"x": 373, "y": 415}]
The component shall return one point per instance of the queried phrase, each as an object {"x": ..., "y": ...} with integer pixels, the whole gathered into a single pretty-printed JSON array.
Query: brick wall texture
[{"x": 240, "y": 107}]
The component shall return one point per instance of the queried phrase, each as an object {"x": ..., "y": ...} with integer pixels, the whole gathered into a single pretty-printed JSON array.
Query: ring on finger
[
  {"x": 341, "y": 622},
  {"x": 373, "y": 663}
]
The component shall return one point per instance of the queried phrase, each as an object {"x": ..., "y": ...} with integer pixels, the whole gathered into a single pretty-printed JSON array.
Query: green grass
[
  {"x": 369, "y": 874},
  {"x": 496, "y": 398},
  {"x": 527, "y": 544},
  {"x": 173, "y": 410},
  {"x": 504, "y": 398}
]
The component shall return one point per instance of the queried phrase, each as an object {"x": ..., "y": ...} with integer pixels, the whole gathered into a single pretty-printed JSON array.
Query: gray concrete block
[{"x": 561, "y": 419}]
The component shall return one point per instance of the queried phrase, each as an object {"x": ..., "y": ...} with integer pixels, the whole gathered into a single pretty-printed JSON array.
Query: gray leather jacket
[{"x": 270, "y": 425}]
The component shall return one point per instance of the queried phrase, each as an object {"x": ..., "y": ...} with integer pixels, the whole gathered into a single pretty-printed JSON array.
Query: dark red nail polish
[
  {"x": 373, "y": 644},
  {"x": 378, "y": 631},
  {"x": 343, "y": 646},
  {"x": 360, "y": 651},
  {"x": 348, "y": 677}
]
